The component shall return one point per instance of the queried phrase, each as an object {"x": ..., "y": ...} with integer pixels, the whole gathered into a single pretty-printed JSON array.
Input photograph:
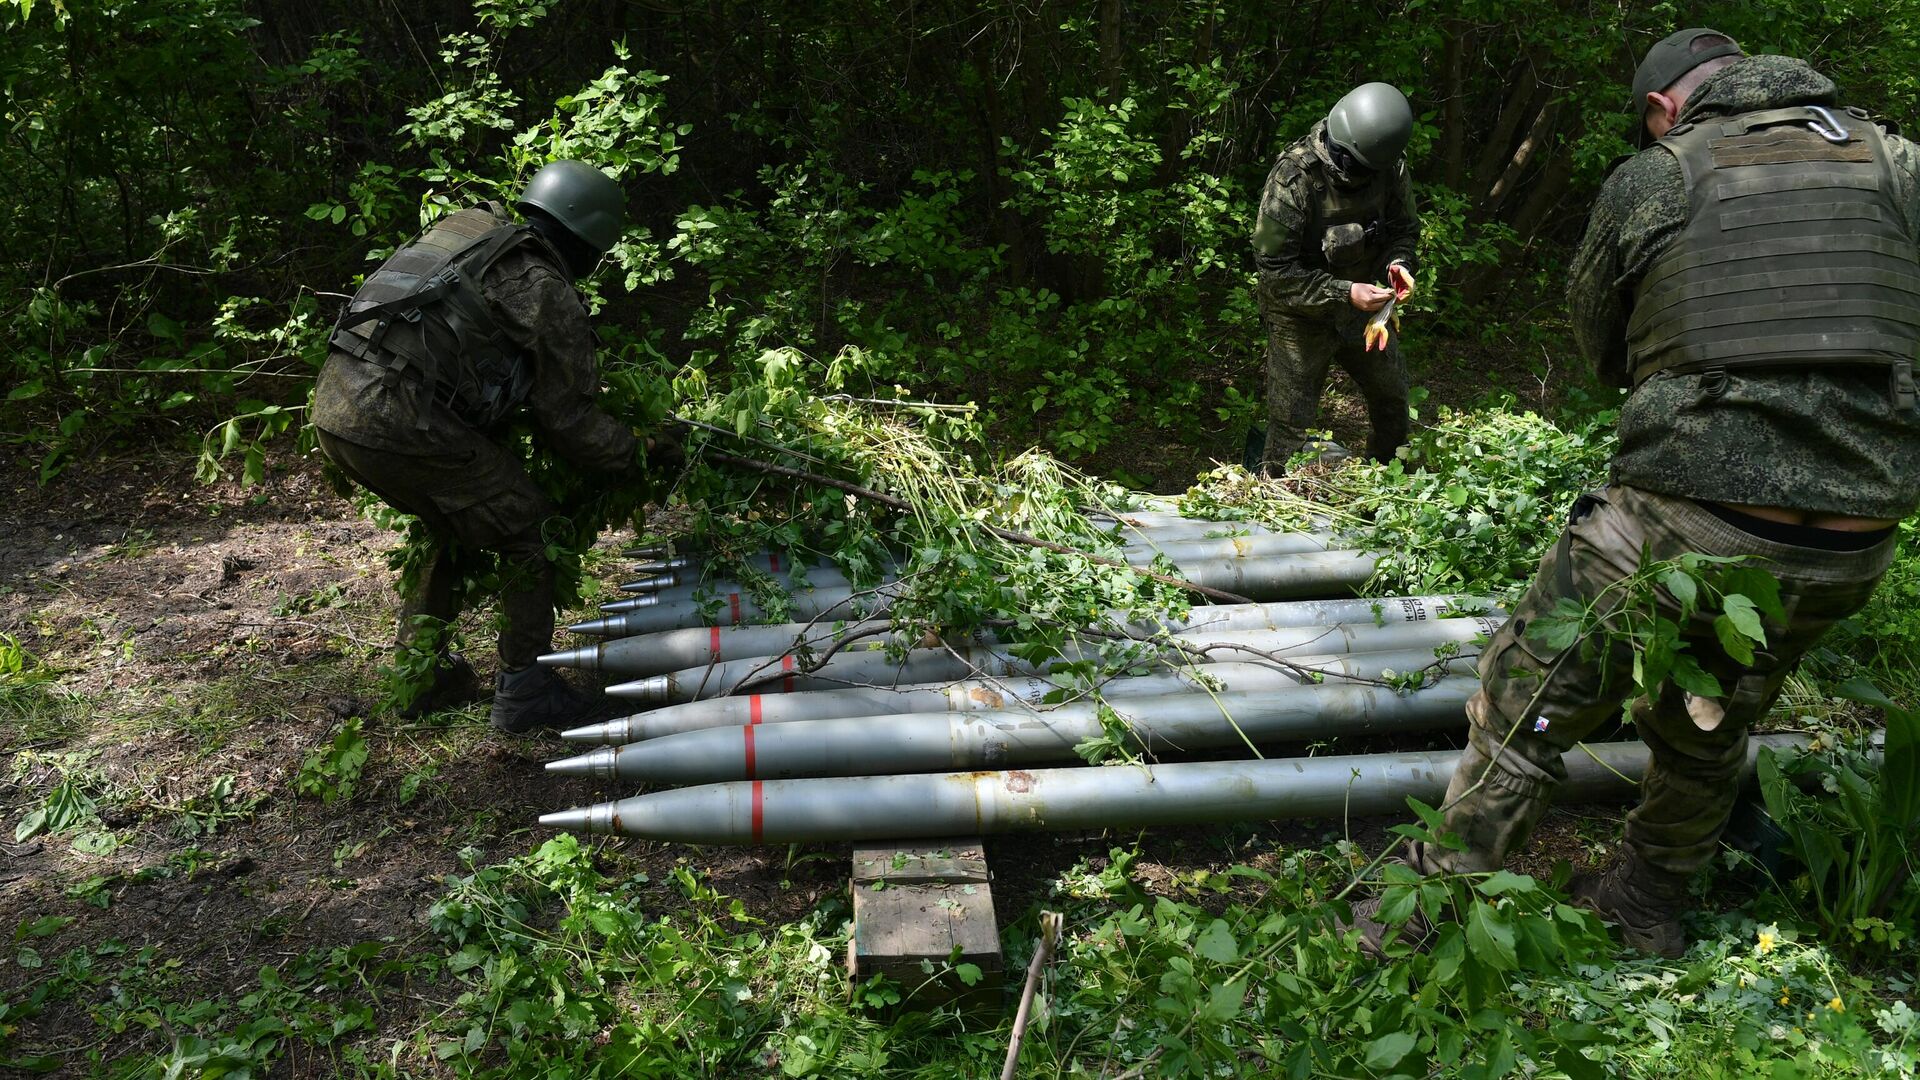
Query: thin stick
[
  {"x": 1042, "y": 952},
  {"x": 1008, "y": 535}
]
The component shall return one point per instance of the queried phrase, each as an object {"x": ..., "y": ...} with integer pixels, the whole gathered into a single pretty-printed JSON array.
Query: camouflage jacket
[
  {"x": 1821, "y": 441},
  {"x": 1302, "y": 197},
  {"x": 534, "y": 301}
]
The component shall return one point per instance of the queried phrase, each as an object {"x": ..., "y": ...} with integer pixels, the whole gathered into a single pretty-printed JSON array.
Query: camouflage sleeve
[
  {"x": 1906, "y": 178},
  {"x": 1286, "y": 278},
  {"x": 540, "y": 312},
  {"x": 1639, "y": 212},
  {"x": 1403, "y": 221}
]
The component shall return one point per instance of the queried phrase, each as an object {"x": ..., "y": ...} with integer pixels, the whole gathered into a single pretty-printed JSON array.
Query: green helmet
[
  {"x": 586, "y": 201},
  {"x": 1373, "y": 123}
]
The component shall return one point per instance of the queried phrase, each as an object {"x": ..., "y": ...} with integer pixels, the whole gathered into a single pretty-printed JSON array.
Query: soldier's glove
[{"x": 662, "y": 453}]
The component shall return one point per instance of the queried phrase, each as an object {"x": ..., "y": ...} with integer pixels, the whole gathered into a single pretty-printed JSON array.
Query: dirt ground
[{"x": 206, "y": 639}]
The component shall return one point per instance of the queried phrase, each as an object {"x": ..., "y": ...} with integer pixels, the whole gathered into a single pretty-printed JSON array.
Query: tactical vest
[
  {"x": 422, "y": 316},
  {"x": 1344, "y": 227},
  {"x": 1795, "y": 253}
]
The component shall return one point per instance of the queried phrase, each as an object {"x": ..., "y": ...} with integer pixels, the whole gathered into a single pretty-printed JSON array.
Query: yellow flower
[
  {"x": 1809, "y": 1016},
  {"x": 1766, "y": 941},
  {"x": 1783, "y": 997},
  {"x": 1837, "y": 1005}
]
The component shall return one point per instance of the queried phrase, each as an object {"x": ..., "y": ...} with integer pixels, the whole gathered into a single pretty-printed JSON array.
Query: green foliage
[
  {"x": 1470, "y": 506},
  {"x": 331, "y": 771},
  {"x": 1856, "y": 829},
  {"x": 1882, "y": 641}
]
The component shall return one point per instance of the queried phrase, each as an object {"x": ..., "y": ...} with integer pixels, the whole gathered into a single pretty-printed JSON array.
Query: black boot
[
  {"x": 454, "y": 684},
  {"x": 534, "y": 698}
]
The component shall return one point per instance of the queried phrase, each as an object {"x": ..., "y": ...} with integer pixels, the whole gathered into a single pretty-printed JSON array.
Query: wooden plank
[
  {"x": 932, "y": 862},
  {"x": 921, "y": 905}
]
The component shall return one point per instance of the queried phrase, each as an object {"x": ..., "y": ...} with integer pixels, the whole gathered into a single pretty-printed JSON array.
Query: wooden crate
[{"x": 928, "y": 903}]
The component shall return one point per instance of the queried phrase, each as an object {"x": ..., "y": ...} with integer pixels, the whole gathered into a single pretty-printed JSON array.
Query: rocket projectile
[{"x": 1114, "y": 797}]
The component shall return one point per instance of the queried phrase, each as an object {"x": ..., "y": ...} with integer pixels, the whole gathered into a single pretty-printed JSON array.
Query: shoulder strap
[{"x": 489, "y": 245}]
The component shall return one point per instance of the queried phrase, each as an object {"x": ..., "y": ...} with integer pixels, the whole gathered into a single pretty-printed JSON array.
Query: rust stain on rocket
[
  {"x": 1019, "y": 781},
  {"x": 992, "y": 699}
]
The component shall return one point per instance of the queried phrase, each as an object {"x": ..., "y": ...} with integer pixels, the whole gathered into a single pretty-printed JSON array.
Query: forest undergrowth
[{"x": 900, "y": 249}]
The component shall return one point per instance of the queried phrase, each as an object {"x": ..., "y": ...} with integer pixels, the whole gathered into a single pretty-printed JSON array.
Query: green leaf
[
  {"x": 1732, "y": 640},
  {"x": 1502, "y": 882},
  {"x": 1458, "y": 495},
  {"x": 30, "y": 826},
  {"x": 1688, "y": 675},
  {"x": 1223, "y": 1003},
  {"x": 1216, "y": 943},
  {"x": 1387, "y": 1051},
  {"x": 1684, "y": 589},
  {"x": 44, "y": 926},
  {"x": 968, "y": 973},
  {"x": 1554, "y": 632},
  {"x": 1741, "y": 610},
  {"x": 1757, "y": 585},
  {"x": 1490, "y": 937},
  {"x": 1900, "y": 773}
]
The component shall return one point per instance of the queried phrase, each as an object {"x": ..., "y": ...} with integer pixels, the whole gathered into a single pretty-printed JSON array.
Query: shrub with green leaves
[
  {"x": 1854, "y": 824},
  {"x": 1470, "y": 505}
]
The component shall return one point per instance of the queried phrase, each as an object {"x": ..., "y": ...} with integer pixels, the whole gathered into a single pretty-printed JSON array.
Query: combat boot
[
  {"x": 1374, "y": 934},
  {"x": 454, "y": 684},
  {"x": 1643, "y": 903},
  {"x": 534, "y": 698}
]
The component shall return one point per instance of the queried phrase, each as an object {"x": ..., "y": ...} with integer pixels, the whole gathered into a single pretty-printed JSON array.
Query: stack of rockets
[{"x": 819, "y": 731}]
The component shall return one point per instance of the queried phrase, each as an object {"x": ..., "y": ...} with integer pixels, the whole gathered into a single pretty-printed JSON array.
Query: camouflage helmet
[
  {"x": 1373, "y": 123},
  {"x": 584, "y": 200}
]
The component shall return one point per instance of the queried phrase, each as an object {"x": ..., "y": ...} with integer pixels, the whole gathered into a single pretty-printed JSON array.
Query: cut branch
[{"x": 1008, "y": 535}]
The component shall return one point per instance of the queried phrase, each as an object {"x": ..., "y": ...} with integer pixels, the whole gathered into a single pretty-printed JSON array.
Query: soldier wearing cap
[
  {"x": 1751, "y": 277},
  {"x": 472, "y": 322},
  {"x": 1334, "y": 242}
]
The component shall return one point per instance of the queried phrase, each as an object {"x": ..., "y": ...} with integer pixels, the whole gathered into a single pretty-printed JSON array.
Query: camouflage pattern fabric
[
  {"x": 1299, "y": 351},
  {"x": 475, "y": 499},
  {"x": 1535, "y": 704},
  {"x": 1304, "y": 295},
  {"x": 467, "y": 488},
  {"x": 1828, "y": 442}
]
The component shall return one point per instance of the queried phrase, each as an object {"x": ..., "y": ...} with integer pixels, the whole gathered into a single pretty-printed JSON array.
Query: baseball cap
[{"x": 1669, "y": 59}]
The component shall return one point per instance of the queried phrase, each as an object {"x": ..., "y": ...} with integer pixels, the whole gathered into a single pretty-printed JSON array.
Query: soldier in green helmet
[
  {"x": 470, "y": 323},
  {"x": 1752, "y": 278},
  {"x": 1334, "y": 243}
]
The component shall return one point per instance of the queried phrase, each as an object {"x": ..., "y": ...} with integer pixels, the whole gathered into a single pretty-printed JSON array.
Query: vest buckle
[
  {"x": 1713, "y": 383},
  {"x": 1903, "y": 393}
]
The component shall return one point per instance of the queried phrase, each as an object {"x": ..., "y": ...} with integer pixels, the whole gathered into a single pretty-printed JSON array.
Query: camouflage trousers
[
  {"x": 1300, "y": 349},
  {"x": 1698, "y": 746},
  {"x": 472, "y": 495}
]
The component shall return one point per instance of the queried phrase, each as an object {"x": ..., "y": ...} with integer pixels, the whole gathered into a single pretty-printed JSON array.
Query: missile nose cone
[
  {"x": 650, "y": 551},
  {"x": 653, "y": 690},
  {"x": 578, "y": 819},
  {"x": 588, "y": 657},
  {"x": 661, "y": 566},
  {"x": 594, "y": 733},
  {"x": 655, "y": 583},
  {"x": 593, "y": 763},
  {"x": 609, "y": 627}
]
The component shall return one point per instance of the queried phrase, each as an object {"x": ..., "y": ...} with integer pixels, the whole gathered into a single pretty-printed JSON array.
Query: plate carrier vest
[
  {"x": 1795, "y": 254},
  {"x": 422, "y": 316}
]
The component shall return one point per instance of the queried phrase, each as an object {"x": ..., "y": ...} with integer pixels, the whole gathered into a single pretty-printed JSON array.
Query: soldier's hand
[
  {"x": 1369, "y": 297},
  {"x": 1401, "y": 280},
  {"x": 663, "y": 454}
]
